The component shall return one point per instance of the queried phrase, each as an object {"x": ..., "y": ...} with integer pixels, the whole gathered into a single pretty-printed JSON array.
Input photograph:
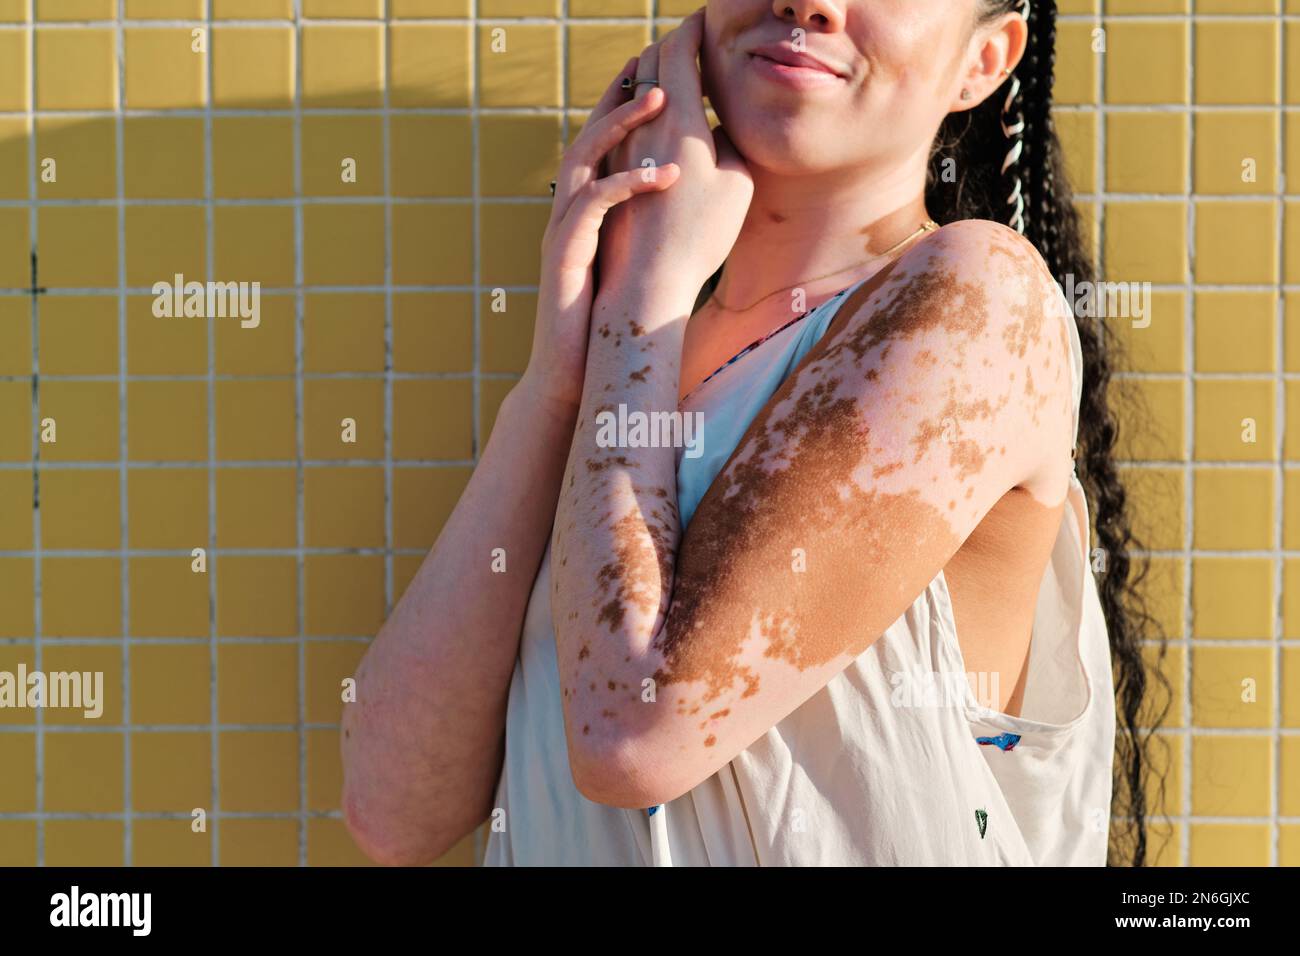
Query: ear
[{"x": 994, "y": 48}]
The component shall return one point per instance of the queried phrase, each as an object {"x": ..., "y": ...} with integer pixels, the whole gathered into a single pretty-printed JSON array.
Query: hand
[
  {"x": 558, "y": 360},
  {"x": 684, "y": 235}
]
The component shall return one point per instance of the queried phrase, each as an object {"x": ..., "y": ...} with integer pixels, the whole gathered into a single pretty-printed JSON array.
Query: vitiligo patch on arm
[{"x": 874, "y": 460}]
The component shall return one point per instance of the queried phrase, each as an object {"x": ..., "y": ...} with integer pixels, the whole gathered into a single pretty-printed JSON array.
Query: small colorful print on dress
[
  {"x": 982, "y": 821},
  {"x": 1001, "y": 741}
]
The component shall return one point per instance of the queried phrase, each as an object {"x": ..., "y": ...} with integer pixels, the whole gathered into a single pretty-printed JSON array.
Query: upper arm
[{"x": 852, "y": 488}]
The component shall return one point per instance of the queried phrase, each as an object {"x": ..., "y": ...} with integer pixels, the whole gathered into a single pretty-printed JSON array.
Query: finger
[
  {"x": 579, "y": 233},
  {"x": 614, "y": 95},
  {"x": 599, "y": 138},
  {"x": 679, "y": 73},
  {"x": 647, "y": 68},
  {"x": 596, "y": 140},
  {"x": 604, "y": 194},
  {"x": 580, "y": 230}
]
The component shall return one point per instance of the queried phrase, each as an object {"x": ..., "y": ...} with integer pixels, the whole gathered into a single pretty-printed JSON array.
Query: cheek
[
  {"x": 895, "y": 53},
  {"x": 902, "y": 94},
  {"x": 711, "y": 78},
  {"x": 910, "y": 46},
  {"x": 725, "y": 20}
]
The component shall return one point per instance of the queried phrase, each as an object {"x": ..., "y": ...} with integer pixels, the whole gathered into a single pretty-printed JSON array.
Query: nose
[{"x": 824, "y": 16}]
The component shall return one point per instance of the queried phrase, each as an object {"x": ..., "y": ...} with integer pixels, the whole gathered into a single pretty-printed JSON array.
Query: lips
[{"x": 789, "y": 57}]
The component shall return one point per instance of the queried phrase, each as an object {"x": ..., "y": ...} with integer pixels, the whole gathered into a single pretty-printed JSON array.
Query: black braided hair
[{"x": 966, "y": 181}]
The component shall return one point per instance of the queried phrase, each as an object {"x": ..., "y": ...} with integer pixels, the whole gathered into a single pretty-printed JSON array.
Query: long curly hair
[{"x": 969, "y": 178}]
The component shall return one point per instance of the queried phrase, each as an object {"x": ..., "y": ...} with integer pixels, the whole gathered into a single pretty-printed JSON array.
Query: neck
[{"x": 799, "y": 227}]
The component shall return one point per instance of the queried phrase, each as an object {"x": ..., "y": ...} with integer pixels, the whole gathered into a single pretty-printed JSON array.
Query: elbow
[
  {"x": 625, "y": 772},
  {"x": 372, "y": 837},
  {"x": 384, "y": 815},
  {"x": 382, "y": 837},
  {"x": 610, "y": 789}
]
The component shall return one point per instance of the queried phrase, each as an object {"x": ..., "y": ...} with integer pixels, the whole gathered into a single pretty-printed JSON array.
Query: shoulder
[
  {"x": 971, "y": 254},
  {"x": 984, "y": 244},
  {"x": 971, "y": 282},
  {"x": 961, "y": 338}
]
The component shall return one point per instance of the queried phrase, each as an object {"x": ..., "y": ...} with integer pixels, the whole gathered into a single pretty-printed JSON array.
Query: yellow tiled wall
[
  {"x": 208, "y": 137},
  {"x": 1179, "y": 122}
]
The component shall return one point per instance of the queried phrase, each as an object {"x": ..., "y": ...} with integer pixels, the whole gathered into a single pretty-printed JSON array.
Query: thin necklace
[{"x": 928, "y": 226}]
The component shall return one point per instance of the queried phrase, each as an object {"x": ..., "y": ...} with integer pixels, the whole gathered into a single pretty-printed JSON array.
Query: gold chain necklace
[{"x": 928, "y": 226}]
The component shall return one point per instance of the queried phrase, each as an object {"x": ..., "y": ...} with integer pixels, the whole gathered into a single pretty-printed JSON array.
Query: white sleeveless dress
[{"x": 893, "y": 762}]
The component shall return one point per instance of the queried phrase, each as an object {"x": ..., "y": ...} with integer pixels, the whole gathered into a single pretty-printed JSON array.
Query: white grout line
[
  {"x": 182, "y": 112},
  {"x": 270, "y": 639},
  {"x": 210, "y": 255},
  {"x": 1257, "y": 17},
  {"x": 37, "y": 617},
  {"x": 272, "y": 201},
  {"x": 476, "y": 228},
  {"x": 124, "y": 563},
  {"x": 299, "y": 240},
  {"x": 389, "y": 360},
  {"x": 1279, "y": 504},
  {"x": 235, "y": 464},
  {"x": 1189, "y": 450}
]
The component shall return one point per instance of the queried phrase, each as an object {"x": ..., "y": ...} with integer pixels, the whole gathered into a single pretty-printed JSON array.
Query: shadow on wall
[
  {"x": 232, "y": 495},
  {"x": 386, "y": 190}
]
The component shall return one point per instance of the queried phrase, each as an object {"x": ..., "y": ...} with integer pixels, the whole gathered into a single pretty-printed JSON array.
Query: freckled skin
[
  {"x": 621, "y": 461},
  {"x": 965, "y": 455},
  {"x": 878, "y": 458}
]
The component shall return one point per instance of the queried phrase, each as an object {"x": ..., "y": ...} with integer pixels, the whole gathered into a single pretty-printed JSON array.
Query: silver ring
[{"x": 628, "y": 83}]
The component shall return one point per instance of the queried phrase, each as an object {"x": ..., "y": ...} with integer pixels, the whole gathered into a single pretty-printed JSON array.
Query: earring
[{"x": 965, "y": 93}]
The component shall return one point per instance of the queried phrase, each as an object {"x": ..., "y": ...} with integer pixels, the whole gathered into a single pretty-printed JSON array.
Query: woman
[{"x": 757, "y": 636}]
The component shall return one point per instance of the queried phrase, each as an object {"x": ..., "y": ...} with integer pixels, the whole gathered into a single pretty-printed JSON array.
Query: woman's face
[{"x": 893, "y": 69}]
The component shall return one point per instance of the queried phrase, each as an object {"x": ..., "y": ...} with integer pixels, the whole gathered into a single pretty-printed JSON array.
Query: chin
[
  {"x": 770, "y": 134},
  {"x": 785, "y": 146}
]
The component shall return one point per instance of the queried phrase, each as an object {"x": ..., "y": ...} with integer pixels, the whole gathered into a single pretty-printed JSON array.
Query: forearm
[
  {"x": 422, "y": 744},
  {"x": 617, "y": 525}
]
